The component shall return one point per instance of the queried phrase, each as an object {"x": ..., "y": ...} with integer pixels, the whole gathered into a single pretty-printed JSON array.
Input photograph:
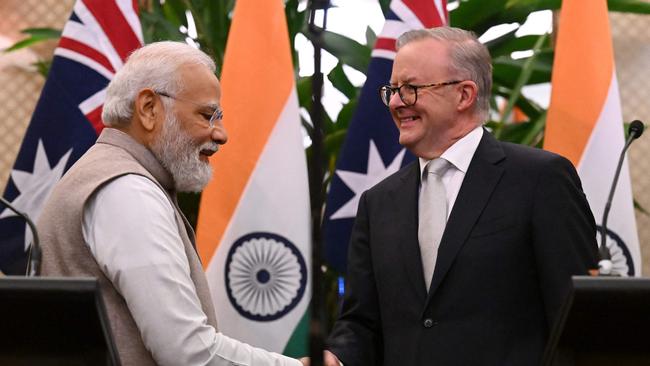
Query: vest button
[{"x": 428, "y": 323}]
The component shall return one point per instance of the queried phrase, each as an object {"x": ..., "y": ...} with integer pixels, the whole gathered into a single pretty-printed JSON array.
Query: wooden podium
[
  {"x": 605, "y": 321},
  {"x": 54, "y": 321}
]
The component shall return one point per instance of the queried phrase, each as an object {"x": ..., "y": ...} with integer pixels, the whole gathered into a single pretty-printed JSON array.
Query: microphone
[
  {"x": 635, "y": 130},
  {"x": 34, "y": 259},
  {"x": 605, "y": 265}
]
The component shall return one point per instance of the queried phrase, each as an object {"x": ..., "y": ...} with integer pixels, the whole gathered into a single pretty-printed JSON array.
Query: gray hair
[
  {"x": 153, "y": 66},
  {"x": 470, "y": 59}
]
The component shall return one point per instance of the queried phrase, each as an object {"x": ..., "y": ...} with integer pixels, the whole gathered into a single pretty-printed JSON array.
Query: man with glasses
[
  {"x": 114, "y": 214},
  {"x": 464, "y": 256}
]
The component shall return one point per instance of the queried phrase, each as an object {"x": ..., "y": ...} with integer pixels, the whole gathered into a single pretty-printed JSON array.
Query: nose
[
  {"x": 219, "y": 134},
  {"x": 395, "y": 101}
]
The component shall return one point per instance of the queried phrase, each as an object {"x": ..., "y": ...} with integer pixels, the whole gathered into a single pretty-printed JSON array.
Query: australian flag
[
  {"x": 96, "y": 40},
  {"x": 371, "y": 151}
]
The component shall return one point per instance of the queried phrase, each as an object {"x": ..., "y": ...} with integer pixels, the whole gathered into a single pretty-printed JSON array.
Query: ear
[
  {"x": 468, "y": 95},
  {"x": 147, "y": 108}
]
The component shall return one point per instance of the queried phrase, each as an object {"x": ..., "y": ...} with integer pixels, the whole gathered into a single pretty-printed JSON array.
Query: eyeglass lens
[{"x": 407, "y": 93}]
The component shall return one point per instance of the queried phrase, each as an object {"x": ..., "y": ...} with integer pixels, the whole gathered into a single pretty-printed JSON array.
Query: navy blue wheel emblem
[
  {"x": 622, "y": 262},
  {"x": 266, "y": 276}
]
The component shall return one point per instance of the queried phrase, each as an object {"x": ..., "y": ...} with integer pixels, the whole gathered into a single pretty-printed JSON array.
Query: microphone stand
[
  {"x": 316, "y": 328},
  {"x": 605, "y": 264},
  {"x": 34, "y": 258}
]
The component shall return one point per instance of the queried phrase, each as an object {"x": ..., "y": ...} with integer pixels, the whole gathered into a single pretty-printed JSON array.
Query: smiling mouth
[
  {"x": 206, "y": 153},
  {"x": 407, "y": 120}
]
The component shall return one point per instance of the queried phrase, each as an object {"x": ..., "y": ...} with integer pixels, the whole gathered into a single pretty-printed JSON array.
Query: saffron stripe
[
  {"x": 250, "y": 40},
  {"x": 579, "y": 88}
]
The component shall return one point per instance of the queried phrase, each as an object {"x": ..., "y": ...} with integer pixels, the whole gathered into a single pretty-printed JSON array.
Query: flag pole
[{"x": 316, "y": 326}]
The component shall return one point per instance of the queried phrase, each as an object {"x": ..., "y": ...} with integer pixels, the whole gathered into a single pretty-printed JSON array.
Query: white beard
[{"x": 179, "y": 154}]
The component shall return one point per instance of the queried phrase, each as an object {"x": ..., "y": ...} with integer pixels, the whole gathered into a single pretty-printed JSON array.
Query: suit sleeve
[
  {"x": 356, "y": 337},
  {"x": 564, "y": 232}
]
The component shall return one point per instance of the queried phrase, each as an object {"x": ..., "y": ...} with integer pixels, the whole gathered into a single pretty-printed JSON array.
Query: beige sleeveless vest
[{"x": 65, "y": 253}]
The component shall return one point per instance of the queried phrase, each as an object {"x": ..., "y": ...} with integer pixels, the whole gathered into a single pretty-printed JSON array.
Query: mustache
[{"x": 209, "y": 148}]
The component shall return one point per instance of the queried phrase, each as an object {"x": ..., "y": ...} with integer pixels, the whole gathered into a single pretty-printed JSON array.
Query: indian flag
[
  {"x": 584, "y": 123},
  {"x": 253, "y": 231}
]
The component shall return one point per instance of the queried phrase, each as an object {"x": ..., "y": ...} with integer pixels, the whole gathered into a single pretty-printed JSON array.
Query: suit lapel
[
  {"x": 405, "y": 201},
  {"x": 480, "y": 180}
]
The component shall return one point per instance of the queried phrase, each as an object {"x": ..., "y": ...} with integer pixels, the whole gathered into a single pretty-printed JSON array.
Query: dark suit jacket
[{"x": 520, "y": 227}]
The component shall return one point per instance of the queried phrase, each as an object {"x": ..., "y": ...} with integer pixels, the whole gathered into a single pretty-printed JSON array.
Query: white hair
[
  {"x": 469, "y": 58},
  {"x": 153, "y": 66}
]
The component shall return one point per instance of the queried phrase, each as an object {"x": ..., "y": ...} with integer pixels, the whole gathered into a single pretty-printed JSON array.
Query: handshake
[{"x": 329, "y": 359}]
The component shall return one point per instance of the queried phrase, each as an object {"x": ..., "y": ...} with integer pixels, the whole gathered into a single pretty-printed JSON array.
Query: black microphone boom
[
  {"x": 605, "y": 265},
  {"x": 34, "y": 260}
]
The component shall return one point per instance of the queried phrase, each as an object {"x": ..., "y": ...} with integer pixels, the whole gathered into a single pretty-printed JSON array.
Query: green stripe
[{"x": 297, "y": 345}]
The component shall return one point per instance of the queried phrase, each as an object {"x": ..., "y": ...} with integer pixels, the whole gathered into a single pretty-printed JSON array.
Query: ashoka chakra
[{"x": 266, "y": 276}]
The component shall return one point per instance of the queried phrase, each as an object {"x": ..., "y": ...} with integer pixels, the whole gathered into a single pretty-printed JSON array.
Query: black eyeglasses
[
  {"x": 217, "y": 114},
  {"x": 408, "y": 93}
]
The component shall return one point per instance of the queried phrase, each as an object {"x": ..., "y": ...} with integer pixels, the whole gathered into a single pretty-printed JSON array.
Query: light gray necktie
[{"x": 432, "y": 214}]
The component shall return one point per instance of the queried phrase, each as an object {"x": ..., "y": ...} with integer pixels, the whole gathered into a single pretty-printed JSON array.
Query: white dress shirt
[
  {"x": 459, "y": 154},
  {"x": 130, "y": 228}
]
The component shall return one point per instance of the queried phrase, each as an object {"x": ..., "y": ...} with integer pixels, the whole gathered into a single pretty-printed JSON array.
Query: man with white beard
[{"x": 114, "y": 214}]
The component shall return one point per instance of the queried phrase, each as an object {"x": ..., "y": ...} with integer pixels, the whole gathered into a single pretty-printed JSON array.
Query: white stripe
[
  {"x": 275, "y": 200},
  {"x": 403, "y": 12},
  {"x": 104, "y": 44},
  {"x": 390, "y": 55},
  {"x": 126, "y": 7},
  {"x": 597, "y": 167},
  {"x": 394, "y": 29},
  {"x": 94, "y": 101},
  {"x": 69, "y": 54},
  {"x": 81, "y": 34},
  {"x": 441, "y": 11}
]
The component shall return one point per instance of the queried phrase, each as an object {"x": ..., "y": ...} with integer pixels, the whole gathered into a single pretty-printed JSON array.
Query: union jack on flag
[
  {"x": 371, "y": 151},
  {"x": 96, "y": 41}
]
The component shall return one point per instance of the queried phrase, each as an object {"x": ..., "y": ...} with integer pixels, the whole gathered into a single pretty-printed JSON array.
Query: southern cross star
[
  {"x": 35, "y": 187},
  {"x": 359, "y": 182}
]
